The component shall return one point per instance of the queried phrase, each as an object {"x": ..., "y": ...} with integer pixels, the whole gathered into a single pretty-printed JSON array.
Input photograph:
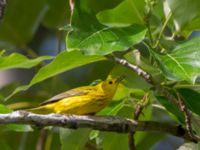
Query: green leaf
[
  {"x": 16, "y": 60},
  {"x": 84, "y": 14},
  {"x": 116, "y": 141},
  {"x": 183, "y": 62},
  {"x": 191, "y": 99},
  {"x": 20, "y": 22},
  {"x": 4, "y": 145},
  {"x": 19, "y": 127},
  {"x": 171, "y": 108},
  {"x": 93, "y": 38},
  {"x": 185, "y": 23},
  {"x": 132, "y": 80},
  {"x": 148, "y": 139},
  {"x": 126, "y": 13},
  {"x": 74, "y": 139},
  {"x": 112, "y": 109},
  {"x": 63, "y": 62},
  {"x": 4, "y": 109},
  {"x": 106, "y": 40}
]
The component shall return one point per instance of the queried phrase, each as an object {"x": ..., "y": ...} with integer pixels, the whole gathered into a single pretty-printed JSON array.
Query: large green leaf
[
  {"x": 126, "y": 13},
  {"x": 20, "y": 22},
  {"x": 16, "y": 60},
  {"x": 63, "y": 62},
  {"x": 106, "y": 40},
  {"x": 74, "y": 139},
  {"x": 93, "y": 38},
  {"x": 84, "y": 15},
  {"x": 191, "y": 99},
  {"x": 183, "y": 63},
  {"x": 185, "y": 23}
]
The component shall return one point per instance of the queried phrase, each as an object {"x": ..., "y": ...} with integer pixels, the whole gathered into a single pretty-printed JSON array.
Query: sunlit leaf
[
  {"x": 126, "y": 13},
  {"x": 63, "y": 62},
  {"x": 106, "y": 40},
  {"x": 4, "y": 109},
  {"x": 94, "y": 38},
  {"x": 16, "y": 60},
  {"x": 19, "y": 127}
]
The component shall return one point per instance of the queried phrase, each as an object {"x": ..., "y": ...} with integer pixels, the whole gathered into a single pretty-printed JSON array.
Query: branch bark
[{"x": 108, "y": 123}]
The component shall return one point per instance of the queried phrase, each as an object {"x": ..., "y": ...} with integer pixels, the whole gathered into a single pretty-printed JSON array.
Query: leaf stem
[{"x": 162, "y": 29}]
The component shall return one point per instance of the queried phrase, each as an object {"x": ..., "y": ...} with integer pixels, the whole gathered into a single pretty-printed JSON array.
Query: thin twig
[
  {"x": 135, "y": 68},
  {"x": 2, "y": 8},
  {"x": 138, "y": 110},
  {"x": 145, "y": 76},
  {"x": 162, "y": 29},
  {"x": 188, "y": 116},
  {"x": 41, "y": 139}
]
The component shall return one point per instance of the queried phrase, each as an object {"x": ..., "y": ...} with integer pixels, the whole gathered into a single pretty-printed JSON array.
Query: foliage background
[{"x": 46, "y": 48}]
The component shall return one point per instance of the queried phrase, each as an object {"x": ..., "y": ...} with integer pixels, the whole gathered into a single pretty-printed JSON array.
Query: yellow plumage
[{"x": 82, "y": 100}]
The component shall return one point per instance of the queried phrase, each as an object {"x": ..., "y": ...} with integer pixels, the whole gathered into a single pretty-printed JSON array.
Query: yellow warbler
[{"x": 82, "y": 100}]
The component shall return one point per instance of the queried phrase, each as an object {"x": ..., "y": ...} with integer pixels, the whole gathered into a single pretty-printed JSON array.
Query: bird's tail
[{"x": 40, "y": 110}]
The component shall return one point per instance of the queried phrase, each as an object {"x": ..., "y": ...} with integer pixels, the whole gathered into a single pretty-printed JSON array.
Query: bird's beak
[{"x": 120, "y": 78}]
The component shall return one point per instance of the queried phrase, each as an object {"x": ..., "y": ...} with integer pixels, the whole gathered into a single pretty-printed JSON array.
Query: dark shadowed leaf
[
  {"x": 74, "y": 139},
  {"x": 192, "y": 99},
  {"x": 171, "y": 108},
  {"x": 58, "y": 13},
  {"x": 20, "y": 22}
]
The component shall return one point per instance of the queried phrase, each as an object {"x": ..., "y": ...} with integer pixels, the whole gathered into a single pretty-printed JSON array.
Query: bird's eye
[{"x": 110, "y": 82}]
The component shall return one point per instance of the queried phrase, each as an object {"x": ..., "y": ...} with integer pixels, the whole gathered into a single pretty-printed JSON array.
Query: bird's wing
[{"x": 67, "y": 94}]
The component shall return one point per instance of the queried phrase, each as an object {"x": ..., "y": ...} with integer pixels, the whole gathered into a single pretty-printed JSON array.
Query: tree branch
[
  {"x": 2, "y": 8},
  {"x": 108, "y": 123}
]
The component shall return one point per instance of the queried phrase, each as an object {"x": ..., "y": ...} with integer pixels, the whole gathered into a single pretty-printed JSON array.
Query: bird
[{"x": 84, "y": 100}]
